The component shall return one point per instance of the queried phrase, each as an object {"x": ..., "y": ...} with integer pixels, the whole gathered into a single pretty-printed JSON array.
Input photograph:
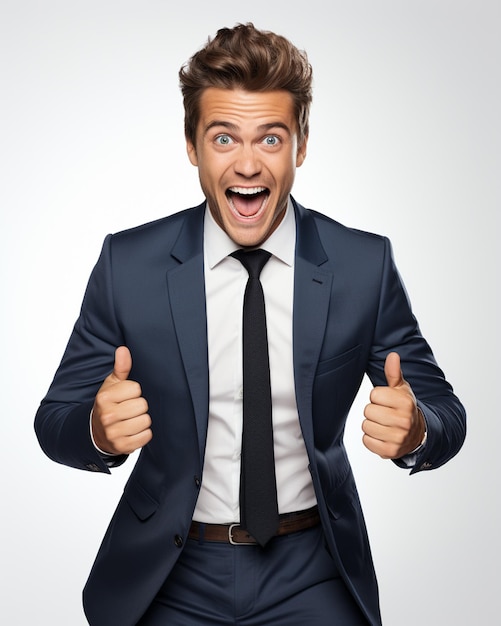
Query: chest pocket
[{"x": 338, "y": 361}]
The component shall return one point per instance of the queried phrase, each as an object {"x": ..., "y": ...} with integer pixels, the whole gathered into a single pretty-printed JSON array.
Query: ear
[
  {"x": 301, "y": 152},
  {"x": 192, "y": 152}
]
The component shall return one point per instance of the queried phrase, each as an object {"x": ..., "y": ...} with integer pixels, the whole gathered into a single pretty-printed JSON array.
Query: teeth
[{"x": 247, "y": 191}]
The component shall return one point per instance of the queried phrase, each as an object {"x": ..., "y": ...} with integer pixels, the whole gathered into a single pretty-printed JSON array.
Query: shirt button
[
  {"x": 240, "y": 393},
  {"x": 178, "y": 541}
]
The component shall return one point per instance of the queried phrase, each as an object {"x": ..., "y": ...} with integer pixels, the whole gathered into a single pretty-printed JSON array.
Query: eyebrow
[{"x": 235, "y": 128}]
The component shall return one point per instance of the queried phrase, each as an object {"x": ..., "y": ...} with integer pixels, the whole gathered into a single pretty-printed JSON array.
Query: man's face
[{"x": 246, "y": 152}]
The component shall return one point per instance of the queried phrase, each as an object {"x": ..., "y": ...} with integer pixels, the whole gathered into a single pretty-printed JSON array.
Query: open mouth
[{"x": 247, "y": 202}]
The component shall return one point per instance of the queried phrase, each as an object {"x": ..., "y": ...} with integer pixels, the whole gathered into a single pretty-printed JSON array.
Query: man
[{"x": 157, "y": 361}]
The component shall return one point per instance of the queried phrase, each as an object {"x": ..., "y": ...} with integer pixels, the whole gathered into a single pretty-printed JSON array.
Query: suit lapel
[
  {"x": 312, "y": 289},
  {"x": 186, "y": 286}
]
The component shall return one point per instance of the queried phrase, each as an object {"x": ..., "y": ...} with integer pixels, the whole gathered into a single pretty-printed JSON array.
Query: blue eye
[
  {"x": 271, "y": 140},
  {"x": 223, "y": 140}
]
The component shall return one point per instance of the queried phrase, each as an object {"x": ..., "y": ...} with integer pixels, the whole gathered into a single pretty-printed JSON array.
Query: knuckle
[
  {"x": 409, "y": 404},
  {"x": 113, "y": 434},
  {"x": 135, "y": 388},
  {"x": 369, "y": 410},
  {"x": 107, "y": 419},
  {"x": 103, "y": 397}
]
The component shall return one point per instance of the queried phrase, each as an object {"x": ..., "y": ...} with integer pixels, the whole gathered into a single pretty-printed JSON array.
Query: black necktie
[{"x": 258, "y": 490}]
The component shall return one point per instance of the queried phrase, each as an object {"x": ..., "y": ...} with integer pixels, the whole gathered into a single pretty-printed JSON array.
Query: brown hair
[{"x": 247, "y": 58}]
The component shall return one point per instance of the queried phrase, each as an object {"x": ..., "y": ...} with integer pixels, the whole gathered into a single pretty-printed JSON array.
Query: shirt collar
[{"x": 281, "y": 243}]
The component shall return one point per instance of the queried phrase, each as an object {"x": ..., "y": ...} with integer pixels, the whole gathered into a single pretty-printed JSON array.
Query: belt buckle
[{"x": 237, "y": 543}]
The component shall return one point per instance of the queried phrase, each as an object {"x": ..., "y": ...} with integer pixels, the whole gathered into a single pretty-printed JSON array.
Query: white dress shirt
[{"x": 225, "y": 281}]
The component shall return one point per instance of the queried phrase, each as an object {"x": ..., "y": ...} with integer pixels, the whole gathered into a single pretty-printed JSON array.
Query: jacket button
[
  {"x": 178, "y": 541},
  {"x": 197, "y": 481}
]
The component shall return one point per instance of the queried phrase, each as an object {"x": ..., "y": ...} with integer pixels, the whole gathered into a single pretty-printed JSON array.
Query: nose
[{"x": 247, "y": 163}]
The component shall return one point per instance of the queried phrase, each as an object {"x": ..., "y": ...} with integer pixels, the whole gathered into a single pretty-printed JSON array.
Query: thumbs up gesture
[
  {"x": 120, "y": 420},
  {"x": 393, "y": 425}
]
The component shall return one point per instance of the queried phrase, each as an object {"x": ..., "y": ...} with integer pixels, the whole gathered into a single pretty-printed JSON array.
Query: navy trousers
[{"x": 292, "y": 582}]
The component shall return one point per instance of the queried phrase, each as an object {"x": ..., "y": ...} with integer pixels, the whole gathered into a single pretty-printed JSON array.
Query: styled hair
[{"x": 244, "y": 57}]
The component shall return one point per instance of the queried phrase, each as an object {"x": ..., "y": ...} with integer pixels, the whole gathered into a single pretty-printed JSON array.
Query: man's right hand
[{"x": 120, "y": 420}]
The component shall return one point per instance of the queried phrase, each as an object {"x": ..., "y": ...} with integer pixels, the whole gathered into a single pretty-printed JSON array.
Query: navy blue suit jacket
[{"x": 147, "y": 292}]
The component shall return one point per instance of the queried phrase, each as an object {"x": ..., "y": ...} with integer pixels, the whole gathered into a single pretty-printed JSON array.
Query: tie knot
[{"x": 252, "y": 260}]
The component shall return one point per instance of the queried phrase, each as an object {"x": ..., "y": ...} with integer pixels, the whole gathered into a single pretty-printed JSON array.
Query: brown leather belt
[{"x": 236, "y": 535}]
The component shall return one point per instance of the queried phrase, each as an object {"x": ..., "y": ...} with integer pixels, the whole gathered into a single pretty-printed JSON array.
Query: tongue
[{"x": 247, "y": 205}]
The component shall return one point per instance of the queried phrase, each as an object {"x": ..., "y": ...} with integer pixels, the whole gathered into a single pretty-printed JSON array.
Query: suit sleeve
[
  {"x": 397, "y": 330},
  {"x": 62, "y": 420}
]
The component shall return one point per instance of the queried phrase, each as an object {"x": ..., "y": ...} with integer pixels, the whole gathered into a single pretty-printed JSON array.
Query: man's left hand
[{"x": 393, "y": 425}]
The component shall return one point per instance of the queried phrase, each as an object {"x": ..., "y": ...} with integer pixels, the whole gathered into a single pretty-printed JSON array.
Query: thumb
[
  {"x": 392, "y": 370},
  {"x": 123, "y": 363}
]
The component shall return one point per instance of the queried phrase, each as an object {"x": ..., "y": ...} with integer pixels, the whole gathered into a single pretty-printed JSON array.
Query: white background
[{"x": 405, "y": 132}]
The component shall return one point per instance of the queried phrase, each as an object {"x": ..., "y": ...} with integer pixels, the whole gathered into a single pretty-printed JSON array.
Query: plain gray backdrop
[{"x": 405, "y": 141}]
